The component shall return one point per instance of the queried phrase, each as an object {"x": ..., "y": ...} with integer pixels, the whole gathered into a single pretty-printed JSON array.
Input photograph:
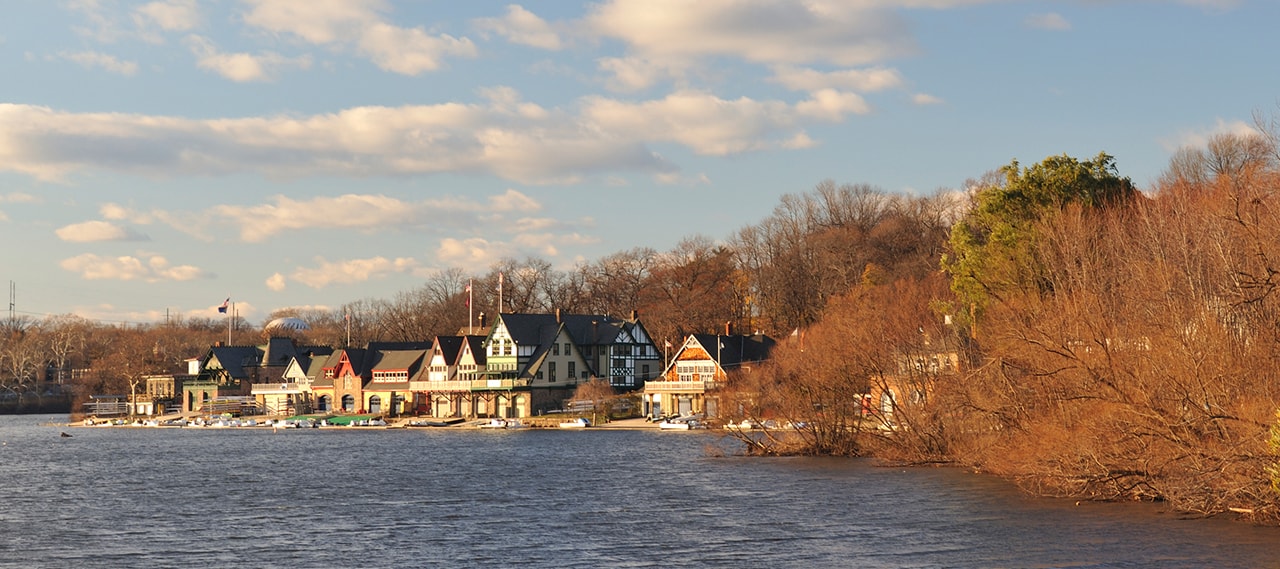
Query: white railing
[{"x": 684, "y": 386}]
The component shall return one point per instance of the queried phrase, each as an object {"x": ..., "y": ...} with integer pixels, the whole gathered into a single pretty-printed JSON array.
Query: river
[{"x": 350, "y": 497}]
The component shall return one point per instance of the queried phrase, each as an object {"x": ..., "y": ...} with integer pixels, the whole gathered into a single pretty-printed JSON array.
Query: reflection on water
[{"x": 424, "y": 497}]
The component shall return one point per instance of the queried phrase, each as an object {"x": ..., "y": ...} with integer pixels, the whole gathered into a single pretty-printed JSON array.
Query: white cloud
[
  {"x": 523, "y": 27},
  {"x": 359, "y": 24},
  {"x": 193, "y": 225},
  {"x": 512, "y": 200},
  {"x": 503, "y": 136},
  {"x": 832, "y": 106},
  {"x": 168, "y": 15},
  {"x": 864, "y": 80},
  {"x": 410, "y": 51},
  {"x": 92, "y": 59},
  {"x": 844, "y": 33},
  {"x": 1200, "y": 138},
  {"x": 149, "y": 268},
  {"x": 316, "y": 21},
  {"x": 276, "y": 282},
  {"x": 101, "y": 24},
  {"x": 507, "y": 142},
  {"x": 18, "y": 197},
  {"x": 472, "y": 252},
  {"x": 637, "y": 73},
  {"x": 713, "y": 126},
  {"x": 91, "y": 231},
  {"x": 360, "y": 212},
  {"x": 349, "y": 211},
  {"x": 926, "y": 99},
  {"x": 1050, "y": 21},
  {"x": 350, "y": 271},
  {"x": 799, "y": 142},
  {"x": 242, "y": 67}
]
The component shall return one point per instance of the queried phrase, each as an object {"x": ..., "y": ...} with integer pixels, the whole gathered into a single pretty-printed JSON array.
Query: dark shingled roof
[
  {"x": 736, "y": 349},
  {"x": 381, "y": 360},
  {"x": 450, "y": 347},
  {"x": 234, "y": 359},
  {"x": 476, "y": 344}
]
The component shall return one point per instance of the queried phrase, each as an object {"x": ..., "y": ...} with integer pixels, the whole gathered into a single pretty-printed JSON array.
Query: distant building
[{"x": 698, "y": 367}]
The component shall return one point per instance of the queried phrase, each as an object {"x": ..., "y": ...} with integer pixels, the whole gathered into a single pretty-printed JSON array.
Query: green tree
[{"x": 991, "y": 248}]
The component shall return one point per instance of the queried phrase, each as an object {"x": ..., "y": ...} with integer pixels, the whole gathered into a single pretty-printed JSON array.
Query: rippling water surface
[{"x": 339, "y": 497}]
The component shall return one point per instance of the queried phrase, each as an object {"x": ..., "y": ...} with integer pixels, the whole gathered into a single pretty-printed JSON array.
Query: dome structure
[{"x": 287, "y": 323}]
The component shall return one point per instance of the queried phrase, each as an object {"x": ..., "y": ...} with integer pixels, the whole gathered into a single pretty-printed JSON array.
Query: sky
[{"x": 159, "y": 157}]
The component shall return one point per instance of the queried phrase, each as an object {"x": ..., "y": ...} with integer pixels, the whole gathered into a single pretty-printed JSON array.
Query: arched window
[
  {"x": 375, "y": 404},
  {"x": 326, "y": 402},
  {"x": 349, "y": 403},
  {"x": 886, "y": 403}
]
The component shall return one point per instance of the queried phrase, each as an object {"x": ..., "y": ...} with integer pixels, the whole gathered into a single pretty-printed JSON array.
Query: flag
[
  {"x": 468, "y": 301},
  {"x": 223, "y": 309}
]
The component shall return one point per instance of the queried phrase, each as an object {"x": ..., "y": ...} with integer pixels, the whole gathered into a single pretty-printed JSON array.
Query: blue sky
[{"x": 161, "y": 156}]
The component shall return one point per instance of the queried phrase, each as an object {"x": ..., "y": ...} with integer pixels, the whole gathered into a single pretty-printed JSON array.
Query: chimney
[
  {"x": 557, "y": 315},
  {"x": 727, "y": 330},
  {"x": 634, "y": 315},
  {"x": 482, "y": 320}
]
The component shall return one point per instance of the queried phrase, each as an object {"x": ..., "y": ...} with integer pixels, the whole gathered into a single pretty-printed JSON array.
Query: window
[
  {"x": 572, "y": 369},
  {"x": 644, "y": 371},
  {"x": 555, "y": 349},
  {"x": 551, "y": 372},
  {"x": 567, "y": 350}
]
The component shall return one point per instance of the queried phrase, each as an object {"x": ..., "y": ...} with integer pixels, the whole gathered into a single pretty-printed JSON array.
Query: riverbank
[{"x": 278, "y": 422}]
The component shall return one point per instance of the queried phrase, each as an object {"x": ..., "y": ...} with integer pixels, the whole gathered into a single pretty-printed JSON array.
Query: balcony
[
  {"x": 469, "y": 385},
  {"x": 464, "y": 385},
  {"x": 281, "y": 388},
  {"x": 499, "y": 384},
  {"x": 696, "y": 386}
]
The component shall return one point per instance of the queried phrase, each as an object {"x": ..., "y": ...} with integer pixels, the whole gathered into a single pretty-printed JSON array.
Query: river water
[{"x": 349, "y": 497}]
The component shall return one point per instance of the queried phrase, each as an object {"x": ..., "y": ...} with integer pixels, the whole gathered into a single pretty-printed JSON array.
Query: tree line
[
  {"x": 1050, "y": 323},
  {"x": 1110, "y": 343}
]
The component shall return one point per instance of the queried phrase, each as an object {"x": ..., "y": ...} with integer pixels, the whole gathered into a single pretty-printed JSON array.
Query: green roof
[{"x": 349, "y": 419}]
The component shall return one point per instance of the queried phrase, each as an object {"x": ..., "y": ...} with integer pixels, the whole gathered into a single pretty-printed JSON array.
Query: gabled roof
[
  {"x": 388, "y": 346},
  {"x": 475, "y": 344},
  {"x": 309, "y": 354},
  {"x": 736, "y": 349},
  {"x": 592, "y": 329},
  {"x": 278, "y": 352},
  {"x": 234, "y": 359},
  {"x": 584, "y": 329},
  {"x": 527, "y": 329},
  {"x": 450, "y": 347},
  {"x": 316, "y": 370},
  {"x": 355, "y": 358},
  {"x": 383, "y": 360}
]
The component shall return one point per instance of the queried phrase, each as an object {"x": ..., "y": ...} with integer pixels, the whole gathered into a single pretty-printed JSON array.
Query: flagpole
[
  {"x": 230, "y": 315},
  {"x": 471, "y": 323},
  {"x": 499, "y": 292}
]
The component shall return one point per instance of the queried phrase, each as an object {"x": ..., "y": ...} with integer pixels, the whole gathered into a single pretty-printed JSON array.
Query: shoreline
[{"x": 635, "y": 424}]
